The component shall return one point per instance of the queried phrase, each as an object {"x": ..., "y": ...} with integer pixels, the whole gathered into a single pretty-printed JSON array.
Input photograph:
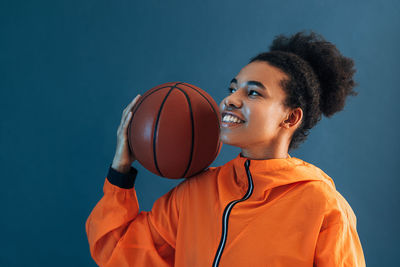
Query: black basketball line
[
  {"x": 188, "y": 85},
  {"x": 192, "y": 120},
  {"x": 156, "y": 128},
  {"x": 134, "y": 112},
  {"x": 141, "y": 101}
]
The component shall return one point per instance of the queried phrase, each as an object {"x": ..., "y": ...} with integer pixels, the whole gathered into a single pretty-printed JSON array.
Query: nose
[{"x": 233, "y": 101}]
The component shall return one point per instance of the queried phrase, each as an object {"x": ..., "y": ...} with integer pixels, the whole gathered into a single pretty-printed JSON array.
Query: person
[{"x": 262, "y": 208}]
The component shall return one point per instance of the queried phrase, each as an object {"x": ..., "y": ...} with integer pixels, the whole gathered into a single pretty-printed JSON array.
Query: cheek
[
  {"x": 264, "y": 120},
  {"x": 259, "y": 124},
  {"x": 221, "y": 105}
]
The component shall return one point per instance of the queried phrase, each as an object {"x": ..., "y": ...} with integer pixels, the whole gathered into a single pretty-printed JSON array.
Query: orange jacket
[{"x": 275, "y": 212}]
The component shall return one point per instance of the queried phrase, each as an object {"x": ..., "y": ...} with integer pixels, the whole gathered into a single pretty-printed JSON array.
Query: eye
[
  {"x": 254, "y": 92},
  {"x": 230, "y": 90}
]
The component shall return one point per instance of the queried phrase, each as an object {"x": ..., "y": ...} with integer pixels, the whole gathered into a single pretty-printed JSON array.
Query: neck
[
  {"x": 264, "y": 153},
  {"x": 276, "y": 149}
]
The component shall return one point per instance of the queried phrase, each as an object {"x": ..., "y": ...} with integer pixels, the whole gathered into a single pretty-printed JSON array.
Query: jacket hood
[{"x": 270, "y": 173}]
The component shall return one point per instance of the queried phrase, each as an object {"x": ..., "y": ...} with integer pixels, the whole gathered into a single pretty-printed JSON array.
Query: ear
[{"x": 293, "y": 118}]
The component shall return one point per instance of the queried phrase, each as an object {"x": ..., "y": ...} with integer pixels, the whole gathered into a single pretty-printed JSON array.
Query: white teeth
[{"x": 229, "y": 118}]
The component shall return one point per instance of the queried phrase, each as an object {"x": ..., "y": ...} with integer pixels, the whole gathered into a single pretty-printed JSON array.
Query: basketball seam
[
  {"x": 141, "y": 101},
  {"x": 192, "y": 144},
  {"x": 133, "y": 114},
  {"x": 190, "y": 86},
  {"x": 156, "y": 127}
]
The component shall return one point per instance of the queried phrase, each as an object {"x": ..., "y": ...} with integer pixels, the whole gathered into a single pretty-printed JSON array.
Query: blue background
[{"x": 69, "y": 68}]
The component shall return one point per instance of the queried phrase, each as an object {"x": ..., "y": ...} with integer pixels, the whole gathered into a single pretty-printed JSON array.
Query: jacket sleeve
[
  {"x": 338, "y": 243},
  {"x": 120, "y": 235}
]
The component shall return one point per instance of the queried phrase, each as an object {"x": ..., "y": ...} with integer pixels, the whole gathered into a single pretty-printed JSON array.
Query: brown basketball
[{"x": 174, "y": 130}]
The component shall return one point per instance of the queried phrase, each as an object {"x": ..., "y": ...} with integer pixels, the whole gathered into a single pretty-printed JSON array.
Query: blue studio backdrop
[{"x": 69, "y": 68}]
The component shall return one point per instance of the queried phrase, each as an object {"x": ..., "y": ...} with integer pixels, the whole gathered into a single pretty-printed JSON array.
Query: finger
[
  {"x": 128, "y": 108},
  {"x": 126, "y": 123},
  {"x": 130, "y": 105},
  {"x": 123, "y": 120},
  {"x": 128, "y": 118},
  {"x": 122, "y": 127}
]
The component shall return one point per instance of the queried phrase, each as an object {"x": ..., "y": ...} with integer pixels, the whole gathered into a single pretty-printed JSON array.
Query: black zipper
[{"x": 226, "y": 213}]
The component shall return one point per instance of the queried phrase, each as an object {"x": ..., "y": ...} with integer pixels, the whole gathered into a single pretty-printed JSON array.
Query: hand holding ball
[{"x": 174, "y": 130}]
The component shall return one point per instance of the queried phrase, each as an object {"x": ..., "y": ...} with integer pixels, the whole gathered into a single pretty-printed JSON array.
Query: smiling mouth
[
  {"x": 231, "y": 122},
  {"x": 231, "y": 119}
]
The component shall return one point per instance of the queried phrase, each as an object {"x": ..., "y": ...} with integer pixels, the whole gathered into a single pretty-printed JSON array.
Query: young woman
[{"x": 262, "y": 208}]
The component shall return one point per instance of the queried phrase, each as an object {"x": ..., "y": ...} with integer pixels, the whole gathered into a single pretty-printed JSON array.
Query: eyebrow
[{"x": 256, "y": 83}]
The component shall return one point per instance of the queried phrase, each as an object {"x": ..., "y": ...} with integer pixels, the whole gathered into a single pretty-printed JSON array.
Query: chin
[{"x": 229, "y": 141}]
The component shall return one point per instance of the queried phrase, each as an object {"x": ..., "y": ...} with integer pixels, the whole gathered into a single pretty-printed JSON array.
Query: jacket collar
[{"x": 270, "y": 173}]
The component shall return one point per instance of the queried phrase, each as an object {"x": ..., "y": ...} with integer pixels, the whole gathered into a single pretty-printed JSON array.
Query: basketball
[{"x": 174, "y": 130}]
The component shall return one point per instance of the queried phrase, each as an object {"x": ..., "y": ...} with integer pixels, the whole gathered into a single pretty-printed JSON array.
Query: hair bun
[{"x": 334, "y": 71}]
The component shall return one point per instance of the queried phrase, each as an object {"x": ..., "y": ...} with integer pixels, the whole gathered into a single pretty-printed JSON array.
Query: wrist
[{"x": 122, "y": 168}]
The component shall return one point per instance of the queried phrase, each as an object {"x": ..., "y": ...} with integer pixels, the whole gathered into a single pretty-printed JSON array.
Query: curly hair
[{"x": 320, "y": 77}]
